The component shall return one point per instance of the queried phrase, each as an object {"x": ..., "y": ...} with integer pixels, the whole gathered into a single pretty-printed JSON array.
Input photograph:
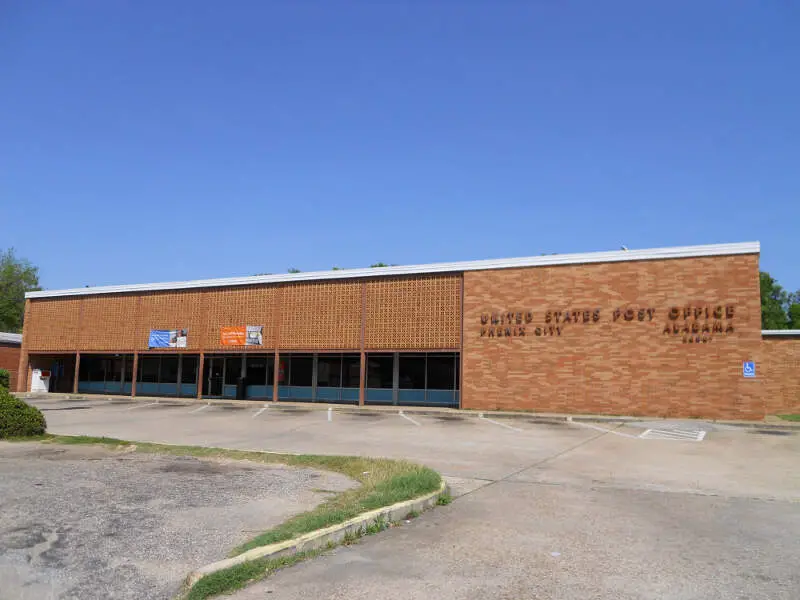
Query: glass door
[{"x": 214, "y": 376}]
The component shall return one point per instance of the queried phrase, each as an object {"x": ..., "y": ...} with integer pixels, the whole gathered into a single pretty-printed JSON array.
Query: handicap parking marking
[
  {"x": 603, "y": 429},
  {"x": 681, "y": 435}
]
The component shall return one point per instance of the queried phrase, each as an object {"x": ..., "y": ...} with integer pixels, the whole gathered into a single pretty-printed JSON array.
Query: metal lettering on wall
[{"x": 693, "y": 324}]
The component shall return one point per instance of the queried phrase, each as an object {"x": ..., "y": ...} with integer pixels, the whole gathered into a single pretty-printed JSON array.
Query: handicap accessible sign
[{"x": 749, "y": 369}]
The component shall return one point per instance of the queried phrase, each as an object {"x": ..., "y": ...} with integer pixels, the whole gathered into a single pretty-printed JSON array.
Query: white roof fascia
[
  {"x": 780, "y": 332},
  {"x": 451, "y": 267},
  {"x": 11, "y": 338}
]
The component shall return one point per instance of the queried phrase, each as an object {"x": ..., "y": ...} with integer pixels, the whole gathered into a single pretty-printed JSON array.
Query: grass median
[
  {"x": 795, "y": 418},
  {"x": 383, "y": 482}
]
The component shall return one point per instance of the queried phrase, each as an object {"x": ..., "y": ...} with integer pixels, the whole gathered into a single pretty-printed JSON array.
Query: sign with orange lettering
[{"x": 233, "y": 336}]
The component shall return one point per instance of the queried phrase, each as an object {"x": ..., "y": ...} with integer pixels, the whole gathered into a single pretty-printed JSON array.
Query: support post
[
  {"x": 276, "y": 369},
  {"x": 362, "y": 379},
  {"x": 134, "y": 373},
  {"x": 200, "y": 367},
  {"x": 77, "y": 372}
]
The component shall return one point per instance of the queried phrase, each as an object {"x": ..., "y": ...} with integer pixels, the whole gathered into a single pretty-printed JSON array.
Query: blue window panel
[
  {"x": 229, "y": 391},
  {"x": 283, "y": 392},
  {"x": 127, "y": 388},
  {"x": 168, "y": 389},
  {"x": 113, "y": 387},
  {"x": 146, "y": 389},
  {"x": 411, "y": 397},
  {"x": 258, "y": 391},
  {"x": 300, "y": 393},
  {"x": 97, "y": 387},
  {"x": 379, "y": 396},
  {"x": 442, "y": 398},
  {"x": 189, "y": 390},
  {"x": 350, "y": 395},
  {"x": 328, "y": 394},
  {"x": 84, "y": 386}
]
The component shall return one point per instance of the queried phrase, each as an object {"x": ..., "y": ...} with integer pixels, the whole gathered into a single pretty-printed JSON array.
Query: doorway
[{"x": 214, "y": 376}]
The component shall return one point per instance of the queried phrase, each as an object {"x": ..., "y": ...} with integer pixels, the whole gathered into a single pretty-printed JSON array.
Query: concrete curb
[
  {"x": 544, "y": 418},
  {"x": 321, "y": 537}
]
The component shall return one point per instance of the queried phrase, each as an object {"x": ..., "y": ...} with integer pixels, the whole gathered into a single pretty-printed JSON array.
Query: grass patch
[
  {"x": 790, "y": 417},
  {"x": 383, "y": 482}
]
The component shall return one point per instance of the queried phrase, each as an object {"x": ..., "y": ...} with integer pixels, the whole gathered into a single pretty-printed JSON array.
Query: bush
[
  {"x": 5, "y": 378},
  {"x": 18, "y": 419}
]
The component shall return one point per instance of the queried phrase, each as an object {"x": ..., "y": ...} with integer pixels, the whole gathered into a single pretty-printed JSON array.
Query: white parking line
[
  {"x": 688, "y": 435},
  {"x": 140, "y": 406},
  {"x": 407, "y": 418},
  {"x": 506, "y": 425},
  {"x": 596, "y": 428},
  {"x": 259, "y": 411},
  {"x": 205, "y": 406}
]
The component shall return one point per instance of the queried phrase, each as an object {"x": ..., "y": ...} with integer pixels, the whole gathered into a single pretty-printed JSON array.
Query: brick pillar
[
  {"x": 22, "y": 372},
  {"x": 276, "y": 369},
  {"x": 200, "y": 366},
  {"x": 77, "y": 372},
  {"x": 362, "y": 378},
  {"x": 134, "y": 373}
]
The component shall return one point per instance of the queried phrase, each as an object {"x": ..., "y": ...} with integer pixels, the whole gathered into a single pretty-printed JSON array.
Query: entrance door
[{"x": 215, "y": 375}]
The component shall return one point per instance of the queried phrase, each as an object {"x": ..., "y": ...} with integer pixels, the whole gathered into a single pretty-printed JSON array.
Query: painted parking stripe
[
  {"x": 506, "y": 425},
  {"x": 141, "y": 406},
  {"x": 205, "y": 406},
  {"x": 603, "y": 429},
  {"x": 259, "y": 411},
  {"x": 407, "y": 418}
]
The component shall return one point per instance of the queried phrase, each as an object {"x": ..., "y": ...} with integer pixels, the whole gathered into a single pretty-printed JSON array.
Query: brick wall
[
  {"x": 780, "y": 368},
  {"x": 601, "y": 361},
  {"x": 9, "y": 360},
  {"x": 417, "y": 312}
]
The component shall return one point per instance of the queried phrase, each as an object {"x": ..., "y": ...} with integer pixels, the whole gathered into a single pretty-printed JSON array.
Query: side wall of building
[
  {"x": 661, "y": 337},
  {"x": 9, "y": 360},
  {"x": 780, "y": 368}
]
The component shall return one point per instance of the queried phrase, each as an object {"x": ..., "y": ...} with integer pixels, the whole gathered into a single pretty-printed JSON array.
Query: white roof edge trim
[
  {"x": 451, "y": 267},
  {"x": 12, "y": 338},
  {"x": 779, "y": 332}
]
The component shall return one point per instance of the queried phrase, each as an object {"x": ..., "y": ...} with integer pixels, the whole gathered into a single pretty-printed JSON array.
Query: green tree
[
  {"x": 774, "y": 301},
  {"x": 794, "y": 310},
  {"x": 379, "y": 264},
  {"x": 293, "y": 270},
  {"x": 17, "y": 276}
]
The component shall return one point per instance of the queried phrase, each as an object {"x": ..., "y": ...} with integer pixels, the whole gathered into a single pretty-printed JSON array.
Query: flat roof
[
  {"x": 10, "y": 338},
  {"x": 451, "y": 267}
]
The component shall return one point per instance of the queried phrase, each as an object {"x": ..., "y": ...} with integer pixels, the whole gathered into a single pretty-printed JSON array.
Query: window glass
[
  {"x": 379, "y": 370},
  {"x": 129, "y": 368},
  {"x": 329, "y": 370},
  {"x": 301, "y": 370},
  {"x": 351, "y": 370},
  {"x": 441, "y": 371},
  {"x": 233, "y": 369},
  {"x": 114, "y": 372},
  {"x": 412, "y": 372},
  {"x": 97, "y": 368},
  {"x": 148, "y": 369},
  {"x": 169, "y": 369},
  {"x": 83, "y": 369},
  {"x": 256, "y": 370},
  {"x": 189, "y": 369}
]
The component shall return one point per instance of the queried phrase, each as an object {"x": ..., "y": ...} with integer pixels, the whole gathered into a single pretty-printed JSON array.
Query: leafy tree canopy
[
  {"x": 17, "y": 276},
  {"x": 779, "y": 309}
]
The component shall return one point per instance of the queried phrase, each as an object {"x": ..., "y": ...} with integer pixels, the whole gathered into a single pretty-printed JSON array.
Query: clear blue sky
[{"x": 161, "y": 140}]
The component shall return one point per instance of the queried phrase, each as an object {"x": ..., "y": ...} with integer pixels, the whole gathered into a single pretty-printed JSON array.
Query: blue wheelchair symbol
[{"x": 749, "y": 369}]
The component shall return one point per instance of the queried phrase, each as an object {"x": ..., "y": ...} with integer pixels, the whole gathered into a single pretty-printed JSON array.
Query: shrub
[
  {"x": 18, "y": 419},
  {"x": 5, "y": 378}
]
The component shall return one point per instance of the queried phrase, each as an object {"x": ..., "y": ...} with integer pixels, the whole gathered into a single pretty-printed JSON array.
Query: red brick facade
[
  {"x": 660, "y": 337},
  {"x": 780, "y": 368},
  {"x": 9, "y": 360},
  {"x": 613, "y": 338}
]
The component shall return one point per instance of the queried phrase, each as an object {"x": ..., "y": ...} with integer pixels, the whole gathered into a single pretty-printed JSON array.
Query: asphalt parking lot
[
  {"x": 560, "y": 510},
  {"x": 86, "y": 522}
]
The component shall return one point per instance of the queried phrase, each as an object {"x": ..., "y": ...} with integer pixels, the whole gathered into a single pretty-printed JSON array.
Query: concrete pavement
[{"x": 543, "y": 510}]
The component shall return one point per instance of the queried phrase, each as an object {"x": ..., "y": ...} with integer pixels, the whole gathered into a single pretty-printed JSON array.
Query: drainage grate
[{"x": 686, "y": 435}]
